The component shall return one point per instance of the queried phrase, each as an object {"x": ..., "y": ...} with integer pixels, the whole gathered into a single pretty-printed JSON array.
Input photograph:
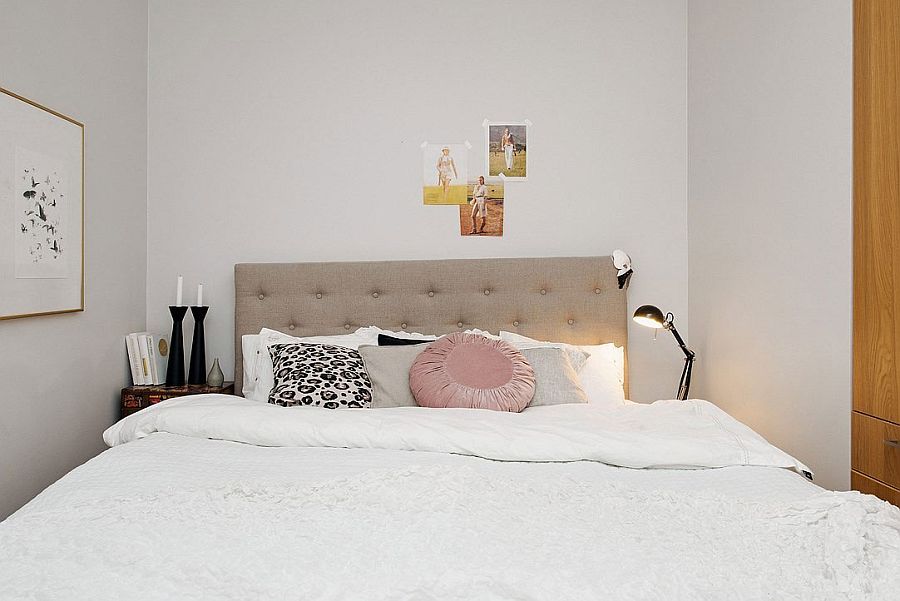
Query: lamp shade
[{"x": 650, "y": 316}]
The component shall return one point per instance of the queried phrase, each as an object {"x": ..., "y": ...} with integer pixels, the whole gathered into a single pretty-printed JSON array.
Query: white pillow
[
  {"x": 263, "y": 373},
  {"x": 603, "y": 374},
  {"x": 577, "y": 355},
  {"x": 249, "y": 349},
  {"x": 402, "y": 334},
  {"x": 419, "y": 336},
  {"x": 259, "y": 374}
]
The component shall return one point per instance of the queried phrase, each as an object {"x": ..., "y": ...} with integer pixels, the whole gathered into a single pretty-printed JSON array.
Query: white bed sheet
[
  {"x": 163, "y": 462},
  {"x": 168, "y": 515}
]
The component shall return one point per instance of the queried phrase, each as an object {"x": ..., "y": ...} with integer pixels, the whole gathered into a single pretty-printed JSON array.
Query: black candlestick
[
  {"x": 175, "y": 367},
  {"x": 197, "y": 374}
]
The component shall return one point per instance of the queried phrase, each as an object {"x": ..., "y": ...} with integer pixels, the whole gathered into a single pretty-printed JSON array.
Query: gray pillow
[
  {"x": 556, "y": 382},
  {"x": 388, "y": 368}
]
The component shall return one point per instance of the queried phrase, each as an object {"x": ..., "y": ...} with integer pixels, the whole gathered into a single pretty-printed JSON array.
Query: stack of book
[{"x": 145, "y": 358}]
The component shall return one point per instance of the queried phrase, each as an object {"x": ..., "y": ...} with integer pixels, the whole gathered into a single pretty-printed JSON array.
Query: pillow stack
[
  {"x": 374, "y": 368},
  {"x": 556, "y": 381}
]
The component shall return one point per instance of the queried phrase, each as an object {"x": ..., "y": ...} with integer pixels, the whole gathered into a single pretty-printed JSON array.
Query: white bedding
[
  {"x": 171, "y": 514},
  {"x": 663, "y": 434}
]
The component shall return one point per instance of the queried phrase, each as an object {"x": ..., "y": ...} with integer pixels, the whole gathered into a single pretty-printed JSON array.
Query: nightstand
[{"x": 135, "y": 398}]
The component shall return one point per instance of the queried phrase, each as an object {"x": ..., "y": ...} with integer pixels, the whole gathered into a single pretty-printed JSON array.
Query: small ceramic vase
[{"x": 215, "y": 378}]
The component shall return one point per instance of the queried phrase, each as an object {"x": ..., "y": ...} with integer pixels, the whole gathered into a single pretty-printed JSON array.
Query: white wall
[
  {"x": 290, "y": 132},
  {"x": 62, "y": 374},
  {"x": 770, "y": 220},
  {"x": 287, "y": 131}
]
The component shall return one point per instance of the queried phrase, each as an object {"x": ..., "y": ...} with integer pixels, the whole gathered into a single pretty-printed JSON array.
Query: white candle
[
  {"x": 200, "y": 295},
  {"x": 180, "y": 289}
]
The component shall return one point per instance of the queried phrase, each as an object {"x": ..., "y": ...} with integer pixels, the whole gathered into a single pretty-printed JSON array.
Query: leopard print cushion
[{"x": 319, "y": 375}]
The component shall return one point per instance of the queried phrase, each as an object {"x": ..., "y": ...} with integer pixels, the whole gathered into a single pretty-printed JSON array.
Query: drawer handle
[{"x": 893, "y": 443}]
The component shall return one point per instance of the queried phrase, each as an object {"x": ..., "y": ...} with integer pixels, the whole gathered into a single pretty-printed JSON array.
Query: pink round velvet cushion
[{"x": 473, "y": 372}]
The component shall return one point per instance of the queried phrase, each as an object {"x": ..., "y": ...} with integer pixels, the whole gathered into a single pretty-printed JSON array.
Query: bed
[{"x": 221, "y": 497}]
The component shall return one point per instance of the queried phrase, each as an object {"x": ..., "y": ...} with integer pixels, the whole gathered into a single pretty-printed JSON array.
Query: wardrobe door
[
  {"x": 875, "y": 453},
  {"x": 876, "y": 207}
]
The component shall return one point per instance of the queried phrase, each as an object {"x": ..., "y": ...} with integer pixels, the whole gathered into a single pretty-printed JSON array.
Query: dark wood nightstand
[{"x": 135, "y": 398}]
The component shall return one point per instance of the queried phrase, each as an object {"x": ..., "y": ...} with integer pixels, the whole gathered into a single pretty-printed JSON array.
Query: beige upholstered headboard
[{"x": 569, "y": 299}]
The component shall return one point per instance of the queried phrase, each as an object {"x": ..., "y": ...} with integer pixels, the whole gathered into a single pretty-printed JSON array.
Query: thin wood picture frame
[{"x": 42, "y": 208}]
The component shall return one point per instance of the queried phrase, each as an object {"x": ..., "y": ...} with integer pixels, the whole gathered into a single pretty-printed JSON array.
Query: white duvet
[
  {"x": 295, "y": 503},
  {"x": 663, "y": 434}
]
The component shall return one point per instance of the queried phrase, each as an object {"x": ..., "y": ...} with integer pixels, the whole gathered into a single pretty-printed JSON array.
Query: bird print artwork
[{"x": 41, "y": 215}]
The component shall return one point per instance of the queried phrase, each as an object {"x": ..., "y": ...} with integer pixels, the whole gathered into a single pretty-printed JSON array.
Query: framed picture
[
  {"x": 506, "y": 149},
  {"x": 41, "y": 210}
]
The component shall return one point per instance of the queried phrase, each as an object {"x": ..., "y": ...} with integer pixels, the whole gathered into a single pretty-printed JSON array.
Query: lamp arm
[
  {"x": 681, "y": 344},
  {"x": 684, "y": 384}
]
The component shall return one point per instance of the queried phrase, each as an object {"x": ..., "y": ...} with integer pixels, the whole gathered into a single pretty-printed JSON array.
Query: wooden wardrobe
[{"x": 875, "y": 455}]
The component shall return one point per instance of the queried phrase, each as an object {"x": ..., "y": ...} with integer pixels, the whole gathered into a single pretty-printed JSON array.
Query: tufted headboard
[{"x": 569, "y": 299}]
